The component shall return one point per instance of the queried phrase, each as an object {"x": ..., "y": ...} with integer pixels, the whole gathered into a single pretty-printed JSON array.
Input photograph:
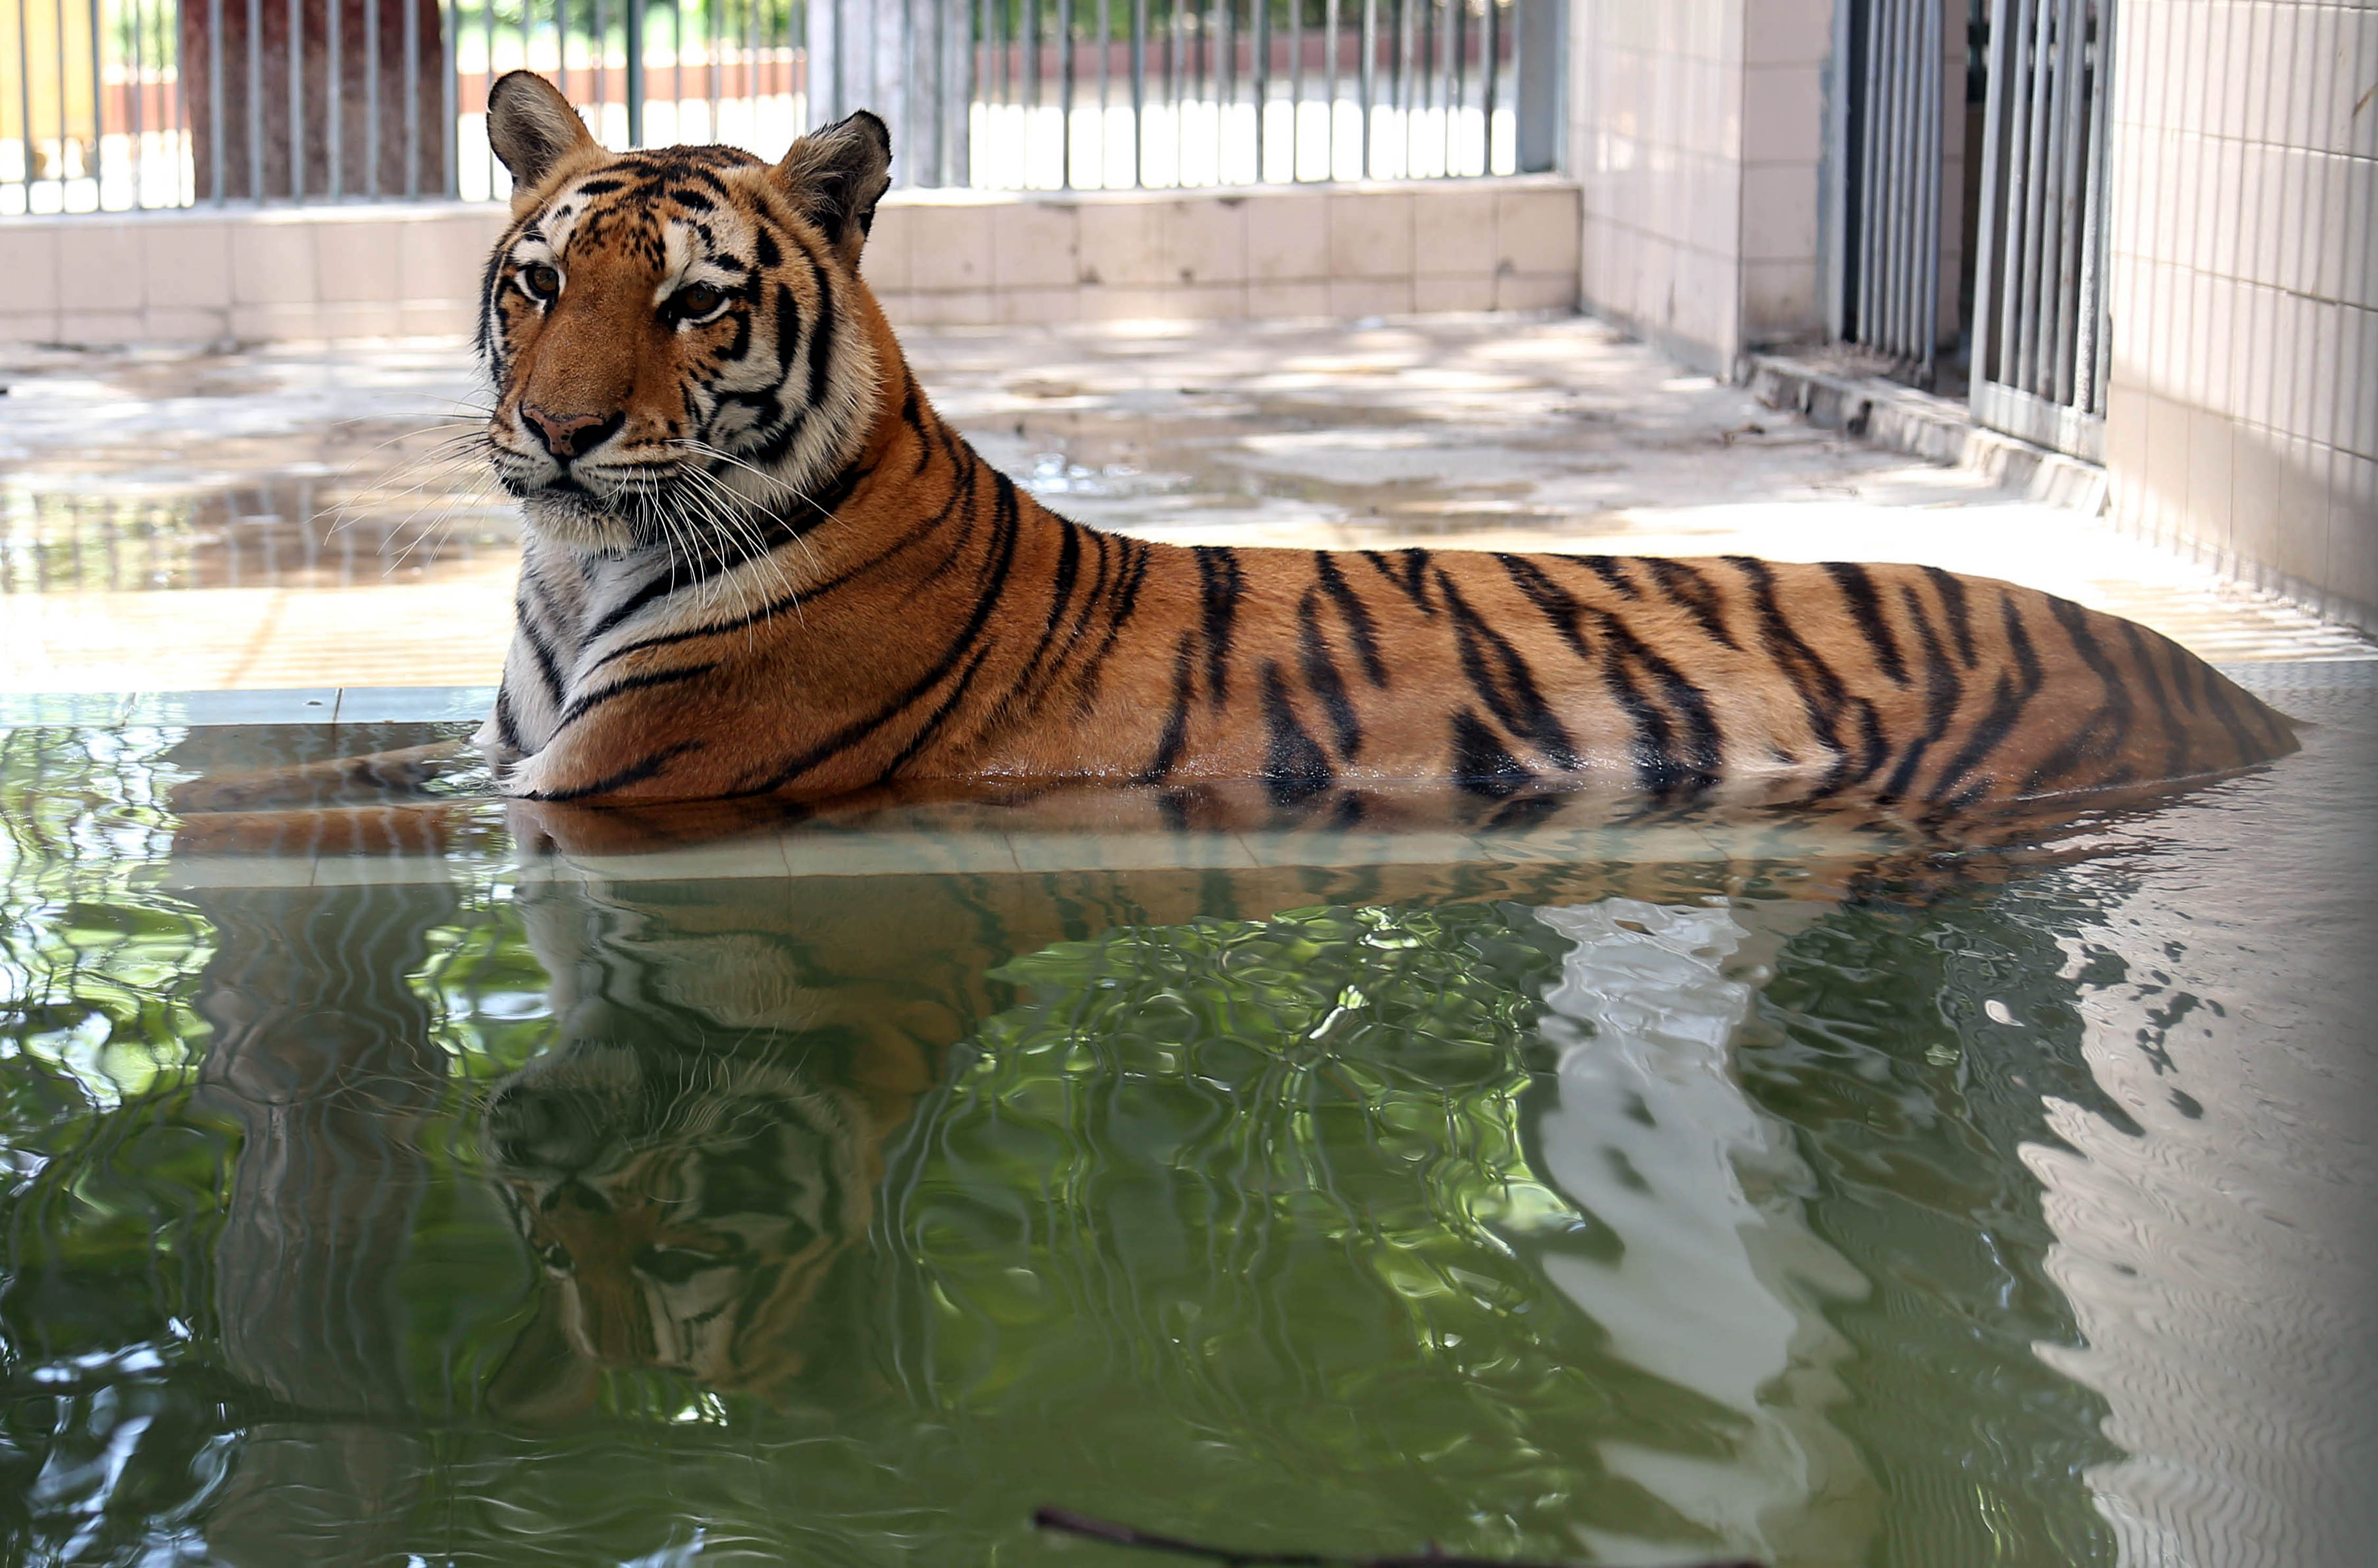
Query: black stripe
[
  {"x": 2108, "y": 727},
  {"x": 821, "y": 336},
  {"x": 548, "y": 670},
  {"x": 1069, "y": 567},
  {"x": 1554, "y": 602},
  {"x": 939, "y": 717},
  {"x": 1942, "y": 691},
  {"x": 1662, "y": 769},
  {"x": 633, "y": 773},
  {"x": 1128, "y": 581},
  {"x": 1004, "y": 529},
  {"x": 1822, "y": 695},
  {"x": 1691, "y": 589},
  {"x": 1321, "y": 675},
  {"x": 1961, "y": 619},
  {"x": 507, "y": 726},
  {"x": 1219, "y": 582},
  {"x": 2175, "y": 756},
  {"x": 1407, "y": 576},
  {"x": 1295, "y": 769},
  {"x": 1360, "y": 629},
  {"x": 1611, "y": 570},
  {"x": 1499, "y": 674},
  {"x": 1176, "y": 723},
  {"x": 1481, "y": 766},
  {"x": 801, "y": 596},
  {"x": 788, "y": 331},
  {"x": 1857, "y": 585},
  {"x": 2217, "y": 696},
  {"x": 2007, "y": 703},
  {"x": 645, "y": 681}
]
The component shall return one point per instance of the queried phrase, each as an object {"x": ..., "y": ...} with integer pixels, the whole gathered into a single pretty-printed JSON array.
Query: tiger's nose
[{"x": 571, "y": 435}]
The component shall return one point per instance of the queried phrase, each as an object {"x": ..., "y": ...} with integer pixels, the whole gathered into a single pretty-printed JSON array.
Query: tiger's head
[{"x": 677, "y": 337}]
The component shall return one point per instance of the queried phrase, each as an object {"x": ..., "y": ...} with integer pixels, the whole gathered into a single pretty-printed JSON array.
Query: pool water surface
[{"x": 1594, "y": 1186}]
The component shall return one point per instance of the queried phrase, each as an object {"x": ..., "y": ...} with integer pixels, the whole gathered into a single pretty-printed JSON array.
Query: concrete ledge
[
  {"x": 1899, "y": 418},
  {"x": 324, "y": 706},
  {"x": 279, "y": 274}
]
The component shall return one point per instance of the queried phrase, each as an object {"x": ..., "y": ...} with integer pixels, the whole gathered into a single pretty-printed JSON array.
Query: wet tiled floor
[{"x": 294, "y": 519}]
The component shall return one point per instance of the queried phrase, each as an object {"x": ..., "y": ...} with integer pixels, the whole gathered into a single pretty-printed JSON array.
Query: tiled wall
[
  {"x": 2242, "y": 409},
  {"x": 256, "y": 277},
  {"x": 1262, "y": 252},
  {"x": 935, "y": 258},
  {"x": 1698, "y": 129}
]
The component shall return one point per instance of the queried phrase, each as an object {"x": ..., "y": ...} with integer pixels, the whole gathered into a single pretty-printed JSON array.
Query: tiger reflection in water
[{"x": 698, "y": 1147}]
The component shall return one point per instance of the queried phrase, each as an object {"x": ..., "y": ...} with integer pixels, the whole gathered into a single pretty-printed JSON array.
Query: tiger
[{"x": 757, "y": 563}]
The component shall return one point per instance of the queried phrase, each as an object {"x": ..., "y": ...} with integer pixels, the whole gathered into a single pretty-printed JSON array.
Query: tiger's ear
[
  {"x": 532, "y": 127},
  {"x": 836, "y": 174}
]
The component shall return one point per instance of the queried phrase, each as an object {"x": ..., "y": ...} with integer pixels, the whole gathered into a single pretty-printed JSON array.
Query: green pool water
[{"x": 840, "y": 1194}]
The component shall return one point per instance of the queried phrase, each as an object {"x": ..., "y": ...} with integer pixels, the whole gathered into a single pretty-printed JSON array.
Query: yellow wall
[{"x": 37, "y": 23}]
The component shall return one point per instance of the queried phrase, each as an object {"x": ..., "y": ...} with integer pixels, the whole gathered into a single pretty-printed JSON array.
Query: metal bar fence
[
  {"x": 2039, "y": 335},
  {"x": 123, "y": 105},
  {"x": 1891, "y": 280}
]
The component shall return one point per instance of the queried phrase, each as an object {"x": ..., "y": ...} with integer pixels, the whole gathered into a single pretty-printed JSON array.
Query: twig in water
[{"x": 1065, "y": 1522}]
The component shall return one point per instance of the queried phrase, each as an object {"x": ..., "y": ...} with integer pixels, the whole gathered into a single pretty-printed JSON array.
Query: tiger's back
[{"x": 760, "y": 563}]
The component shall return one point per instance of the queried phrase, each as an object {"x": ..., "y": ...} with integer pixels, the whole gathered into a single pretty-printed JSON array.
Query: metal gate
[
  {"x": 2040, "y": 342},
  {"x": 1891, "y": 296}
]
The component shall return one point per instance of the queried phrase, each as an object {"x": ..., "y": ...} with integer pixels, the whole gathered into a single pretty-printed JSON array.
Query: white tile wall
[
  {"x": 1698, "y": 133},
  {"x": 2243, "y": 412},
  {"x": 933, "y": 258}
]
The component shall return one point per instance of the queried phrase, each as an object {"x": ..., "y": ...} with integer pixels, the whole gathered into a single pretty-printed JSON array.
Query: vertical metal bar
[
  {"x": 136, "y": 139},
  {"x": 2035, "y": 195},
  {"x": 1066, "y": 94},
  {"x": 412, "y": 97},
  {"x": 1369, "y": 76},
  {"x": 2090, "y": 357},
  {"x": 334, "y": 100},
  {"x": 2011, "y": 198},
  {"x": 1901, "y": 236},
  {"x": 598, "y": 45},
  {"x": 58, "y": 37},
  {"x": 1259, "y": 73},
  {"x": 1106, "y": 73},
  {"x": 255, "y": 107},
  {"x": 98, "y": 169},
  {"x": 2071, "y": 186},
  {"x": 1138, "y": 92},
  {"x": 752, "y": 66},
  {"x": 296, "y": 68},
  {"x": 635, "y": 27},
  {"x": 1882, "y": 36},
  {"x": 25, "y": 105},
  {"x": 1407, "y": 75},
  {"x": 1868, "y": 181},
  {"x": 1295, "y": 89},
  {"x": 1176, "y": 75},
  {"x": 1490, "y": 50},
  {"x": 1929, "y": 106},
  {"x": 371, "y": 93},
  {"x": 710, "y": 58},
  {"x": 450, "y": 124},
  {"x": 1993, "y": 100},
  {"x": 214, "y": 102},
  {"x": 1449, "y": 73},
  {"x": 1221, "y": 57},
  {"x": 1330, "y": 26}
]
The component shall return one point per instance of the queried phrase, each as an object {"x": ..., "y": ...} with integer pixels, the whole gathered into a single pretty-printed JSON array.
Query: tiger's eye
[
  {"x": 699, "y": 300},
  {"x": 542, "y": 281}
]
